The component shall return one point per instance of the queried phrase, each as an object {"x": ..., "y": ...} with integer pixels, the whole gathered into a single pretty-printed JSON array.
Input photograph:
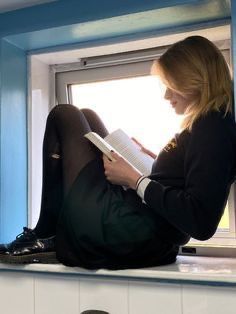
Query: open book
[{"x": 121, "y": 143}]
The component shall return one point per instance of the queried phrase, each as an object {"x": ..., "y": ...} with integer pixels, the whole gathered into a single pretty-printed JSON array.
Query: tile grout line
[
  {"x": 79, "y": 307},
  {"x": 34, "y": 294},
  {"x": 182, "y": 299},
  {"x": 128, "y": 297}
]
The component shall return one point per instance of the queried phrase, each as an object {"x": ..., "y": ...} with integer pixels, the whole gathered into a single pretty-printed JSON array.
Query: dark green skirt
[{"x": 105, "y": 226}]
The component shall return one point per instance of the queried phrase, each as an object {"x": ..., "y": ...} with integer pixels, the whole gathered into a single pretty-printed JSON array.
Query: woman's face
[{"x": 177, "y": 101}]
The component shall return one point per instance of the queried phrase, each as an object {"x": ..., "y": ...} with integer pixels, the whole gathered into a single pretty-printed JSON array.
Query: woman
[{"x": 86, "y": 215}]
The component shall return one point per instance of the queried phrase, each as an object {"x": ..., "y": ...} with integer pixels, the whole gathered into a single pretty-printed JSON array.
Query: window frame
[{"x": 130, "y": 64}]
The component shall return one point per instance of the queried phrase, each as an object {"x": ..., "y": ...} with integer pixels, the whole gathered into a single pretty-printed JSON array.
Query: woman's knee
[
  {"x": 89, "y": 114},
  {"x": 63, "y": 109},
  {"x": 95, "y": 122},
  {"x": 63, "y": 113}
]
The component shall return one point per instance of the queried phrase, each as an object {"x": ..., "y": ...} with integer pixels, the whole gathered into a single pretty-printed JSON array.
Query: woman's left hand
[{"x": 120, "y": 171}]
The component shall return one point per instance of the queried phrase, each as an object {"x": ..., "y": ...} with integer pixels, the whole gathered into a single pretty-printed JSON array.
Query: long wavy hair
[{"x": 195, "y": 67}]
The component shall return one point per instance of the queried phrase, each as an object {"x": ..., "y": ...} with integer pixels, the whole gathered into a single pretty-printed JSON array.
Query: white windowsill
[{"x": 187, "y": 269}]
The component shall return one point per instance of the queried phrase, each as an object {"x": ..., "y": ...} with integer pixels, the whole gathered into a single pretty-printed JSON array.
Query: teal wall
[
  {"x": 13, "y": 144},
  {"x": 90, "y": 22},
  {"x": 60, "y": 25},
  {"x": 67, "y": 12}
]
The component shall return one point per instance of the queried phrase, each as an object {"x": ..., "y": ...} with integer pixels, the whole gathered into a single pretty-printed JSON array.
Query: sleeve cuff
[{"x": 142, "y": 187}]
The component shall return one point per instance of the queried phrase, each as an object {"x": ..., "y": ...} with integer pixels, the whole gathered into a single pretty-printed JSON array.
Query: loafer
[{"x": 28, "y": 248}]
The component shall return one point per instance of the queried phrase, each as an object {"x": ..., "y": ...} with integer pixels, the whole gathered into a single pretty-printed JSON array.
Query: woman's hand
[
  {"x": 143, "y": 149},
  {"x": 120, "y": 171}
]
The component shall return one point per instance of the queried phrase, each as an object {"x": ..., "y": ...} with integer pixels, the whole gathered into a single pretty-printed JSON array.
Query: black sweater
[{"x": 192, "y": 175}]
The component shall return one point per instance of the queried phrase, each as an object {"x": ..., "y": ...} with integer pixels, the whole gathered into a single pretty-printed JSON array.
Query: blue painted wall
[
  {"x": 13, "y": 144},
  {"x": 41, "y": 27},
  {"x": 66, "y": 12},
  {"x": 80, "y": 22}
]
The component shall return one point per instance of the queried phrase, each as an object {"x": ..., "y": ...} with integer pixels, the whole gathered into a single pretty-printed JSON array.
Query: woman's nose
[{"x": 168, "y": 94}]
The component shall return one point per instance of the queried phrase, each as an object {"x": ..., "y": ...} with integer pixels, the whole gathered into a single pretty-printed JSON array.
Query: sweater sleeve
[{"x": 197, "y": 208}]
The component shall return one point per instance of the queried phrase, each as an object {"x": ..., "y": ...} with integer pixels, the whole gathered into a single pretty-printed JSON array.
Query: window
[
  {"x": 134, "y": 104},
  {"x": 116, "y": 84}
]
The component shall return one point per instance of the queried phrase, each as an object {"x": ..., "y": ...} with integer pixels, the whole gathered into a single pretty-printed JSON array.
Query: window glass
[
  {"x": 134, "y": 104},
  {"x": 224, "y": 223}
]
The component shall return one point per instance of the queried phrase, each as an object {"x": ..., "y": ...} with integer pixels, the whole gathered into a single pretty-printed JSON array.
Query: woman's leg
[
  {"x": 64, "y": 250},
  {"x": 65, "y": 153},
  {"x": 95, "y": 122}
]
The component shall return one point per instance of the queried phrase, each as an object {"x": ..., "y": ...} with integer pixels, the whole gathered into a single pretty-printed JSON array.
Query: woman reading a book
[{"x": 90, "y": 220}]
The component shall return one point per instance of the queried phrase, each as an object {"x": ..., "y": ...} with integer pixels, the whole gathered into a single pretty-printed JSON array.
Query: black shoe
[{"x": 28, "y": 248}]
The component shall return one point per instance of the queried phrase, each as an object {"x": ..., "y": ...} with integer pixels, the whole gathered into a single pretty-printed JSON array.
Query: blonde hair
[{"x": 195, "y": 67}]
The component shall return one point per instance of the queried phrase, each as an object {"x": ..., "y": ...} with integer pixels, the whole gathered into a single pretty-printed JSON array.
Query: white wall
[
  {"x": 39, "y": 104},
  {"x": 60, "y": 294}
]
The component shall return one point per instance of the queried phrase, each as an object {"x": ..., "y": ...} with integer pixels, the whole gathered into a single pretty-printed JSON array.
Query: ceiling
[{"x": 10, "y": 5}]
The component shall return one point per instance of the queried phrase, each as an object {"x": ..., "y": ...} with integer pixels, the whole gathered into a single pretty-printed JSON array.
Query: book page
[{"x": 131, "y": 151}]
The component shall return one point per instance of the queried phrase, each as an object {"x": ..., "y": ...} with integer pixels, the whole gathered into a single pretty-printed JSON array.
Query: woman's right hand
[
  {"x": 143, "y": 149},
  {"x": 120, "y": 172}
]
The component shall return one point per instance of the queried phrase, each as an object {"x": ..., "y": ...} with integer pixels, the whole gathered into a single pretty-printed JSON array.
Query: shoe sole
[{"x": 43, "y": 258}]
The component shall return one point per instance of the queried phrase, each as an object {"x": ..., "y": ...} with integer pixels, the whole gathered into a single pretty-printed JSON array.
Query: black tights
[{"x": 65, "y": 153}]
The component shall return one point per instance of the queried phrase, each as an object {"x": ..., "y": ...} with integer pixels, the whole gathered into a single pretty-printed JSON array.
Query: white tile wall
[
  {"x": 16, "y": 293},
  {"x": 209, "y": 300},
  {"x": 31, "y": 293},
  {"x": 59, "y": 295},
  {"x": 154, "y": 298},
  {"x": 107, "y": 295}
]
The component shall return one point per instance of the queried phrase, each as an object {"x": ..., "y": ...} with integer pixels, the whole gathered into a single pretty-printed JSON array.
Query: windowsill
[{"x": 189, "y": 270}]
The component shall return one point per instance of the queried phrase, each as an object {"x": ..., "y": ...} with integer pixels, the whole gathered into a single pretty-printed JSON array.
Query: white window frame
[{"x": 132, "y": 64}]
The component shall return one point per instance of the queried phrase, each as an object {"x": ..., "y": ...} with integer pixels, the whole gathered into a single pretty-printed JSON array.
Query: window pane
[
  {"x": 137, "y": 106},
  {"x": 134, "y": 104},
  {"x": 224, "y": 223}
]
